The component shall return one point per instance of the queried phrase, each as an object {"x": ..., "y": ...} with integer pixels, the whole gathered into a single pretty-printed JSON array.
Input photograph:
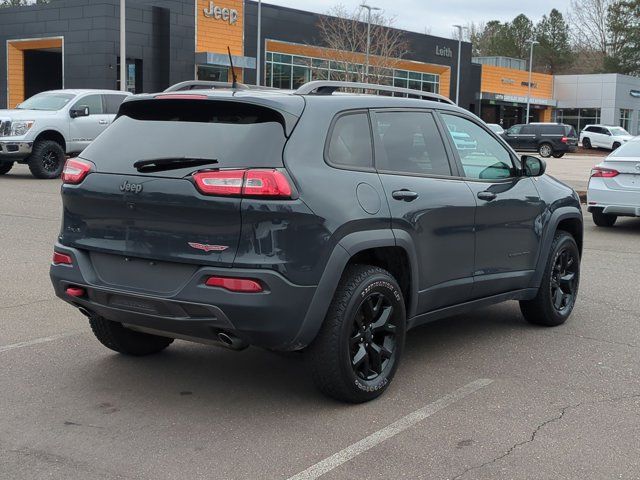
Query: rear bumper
[
  {"x": 270, "y": 319},
  {"x": 10, "y": 150},
  {"x": 624, "y": 203}
]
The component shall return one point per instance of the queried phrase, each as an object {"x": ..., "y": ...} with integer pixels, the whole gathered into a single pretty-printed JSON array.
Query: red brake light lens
[
  {"x": 564, "y": 139},
  {"x": 241, "y": 285},
  {"x": 251, "y": 183},
  {"x": 75, "y": 171},
  {"x": 180, "y": 96},
  {"x": 599, "y": 172},
  {"x": 62, "y": 259}
]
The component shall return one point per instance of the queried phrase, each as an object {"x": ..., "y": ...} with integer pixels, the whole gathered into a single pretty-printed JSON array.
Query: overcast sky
[{"x": 438, "y": 16}]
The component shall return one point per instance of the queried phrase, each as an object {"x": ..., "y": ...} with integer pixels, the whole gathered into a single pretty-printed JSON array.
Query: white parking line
[
  {"x": 37, "y": 341},
  {"x": 367, "y": 443}
]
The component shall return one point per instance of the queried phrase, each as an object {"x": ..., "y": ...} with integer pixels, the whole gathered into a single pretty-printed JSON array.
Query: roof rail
[
  {"x": 207, "y": 84},
  {"x": 322, "y": 87}
]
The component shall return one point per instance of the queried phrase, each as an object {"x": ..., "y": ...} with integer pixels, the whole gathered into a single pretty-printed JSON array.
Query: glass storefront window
[
  {"x": 625, "y": 119},
  {"x": 578, "y": 118}
]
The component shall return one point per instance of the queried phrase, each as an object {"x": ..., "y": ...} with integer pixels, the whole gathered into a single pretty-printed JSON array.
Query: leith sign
[{"x": 218, "y": 13}]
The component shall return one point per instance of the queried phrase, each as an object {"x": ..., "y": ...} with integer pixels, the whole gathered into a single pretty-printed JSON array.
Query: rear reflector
[
  {"x": 242, "y": 285},
  {"x": 75, "y": 292},
  {"x": 250, "y": 183},
  {"x": 61, "y": 259},
  {"x": 75, "y": 171},
  {"x": 599, "y": 172}
]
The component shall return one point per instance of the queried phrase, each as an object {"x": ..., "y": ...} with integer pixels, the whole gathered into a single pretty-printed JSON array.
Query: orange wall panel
[
  {"x": 509, "y": 81},
  {"x": 215, "y": 35}
]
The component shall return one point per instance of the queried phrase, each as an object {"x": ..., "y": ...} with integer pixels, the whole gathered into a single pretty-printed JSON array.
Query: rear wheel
[
  {"x": 46, "y": 160},
  {"x": 545, "y": 150},
  {"x": 129, "y": 342},
  {"x": 558, "y": 291},
  {"x": 603, "y": 219},
  {"x": 358, "y": 349},
  {"x": 558, "y": 155},
  {"x": 586, "y": 143},
  {"x": 5, "y": 168}
]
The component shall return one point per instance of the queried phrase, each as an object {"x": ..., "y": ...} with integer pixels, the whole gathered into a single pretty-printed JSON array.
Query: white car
[
  {"x": 603, "y": 136},
  {"x": 614, "y": 186},
  {"x": 496, "y": 128},
  {"x": 46, "y": 127}
]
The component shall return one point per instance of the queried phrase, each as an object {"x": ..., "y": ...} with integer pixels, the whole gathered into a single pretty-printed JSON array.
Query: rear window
[{"x": 234, "y": 134}]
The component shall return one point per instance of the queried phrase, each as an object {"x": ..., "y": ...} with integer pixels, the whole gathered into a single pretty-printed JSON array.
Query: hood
[
  {"x": 625, "y": 138},
  {"x": 17, "y": 114}
]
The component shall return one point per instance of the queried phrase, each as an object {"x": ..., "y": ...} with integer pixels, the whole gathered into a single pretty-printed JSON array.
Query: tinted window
[
  {"x": 411, "y": 143},
  {"x": 94, "y": 102},
  {"x": 350, "y": 143},
  {"x": 569, "y": 131},
  {"x": 482, "y": 156},
  {"x": 528, "y": 130},
  {"x": 593, "y": 129},
  {"x": 112, "y": 103},
  {"x": 552, "y": 130},
  {"x": 515, "y": 130}
]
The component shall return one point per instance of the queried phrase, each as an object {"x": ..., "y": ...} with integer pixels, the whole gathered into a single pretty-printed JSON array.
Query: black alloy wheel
[
  {"x": 373, "y": 338},
  {"x": 564, "y": 283}
]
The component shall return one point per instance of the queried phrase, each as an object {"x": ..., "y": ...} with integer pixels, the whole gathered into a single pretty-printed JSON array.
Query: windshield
[
  {"x": 46, "y": 101},
  {"x": 618, "y": 131},
  {"x": 629, "y": 150}
]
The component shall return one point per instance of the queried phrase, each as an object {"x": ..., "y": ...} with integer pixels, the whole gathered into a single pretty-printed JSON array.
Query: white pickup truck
[{"x": 42, "y": 130}]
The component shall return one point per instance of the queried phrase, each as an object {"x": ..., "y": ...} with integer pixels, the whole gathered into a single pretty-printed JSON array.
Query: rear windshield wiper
[{"x": 173, "y": 163}]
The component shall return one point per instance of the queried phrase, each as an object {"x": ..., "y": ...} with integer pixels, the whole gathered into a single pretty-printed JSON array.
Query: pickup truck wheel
[
  {"x": 5, "y": 168},
  {"x": 603, "y": 219},
  {"x": 586, "y": 143},
  {"x": 129, "y": 342},
  {"x": 358, "y": 349},
  {"x": 545, "y": 150},
  {"x": 559, "y": 288},
  {"x": 46, "y": 160}
]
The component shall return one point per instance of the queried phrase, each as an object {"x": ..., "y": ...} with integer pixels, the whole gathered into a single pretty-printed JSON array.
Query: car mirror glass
[{"x": 533, "y": 166}]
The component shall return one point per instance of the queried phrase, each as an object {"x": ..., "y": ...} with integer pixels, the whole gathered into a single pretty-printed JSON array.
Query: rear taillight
[
  {"x": 250, "y": 183},
  {"x": 564, "y": 139},
  {"x": 240, "y": 285},
  {"x": 61, "y": 259},
  {"x": 599, "y": 172},
  {"x": 75, "y": 171}
]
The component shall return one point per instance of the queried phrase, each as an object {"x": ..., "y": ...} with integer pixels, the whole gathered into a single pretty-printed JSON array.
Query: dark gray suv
[{"x": 308, "y": 220}]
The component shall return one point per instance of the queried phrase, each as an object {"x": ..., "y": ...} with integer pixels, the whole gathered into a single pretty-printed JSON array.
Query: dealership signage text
[{"x": 225, "y": 14}]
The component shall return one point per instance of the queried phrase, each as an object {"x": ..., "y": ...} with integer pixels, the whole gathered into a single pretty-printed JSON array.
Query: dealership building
[{"x": 75, "y": 44}]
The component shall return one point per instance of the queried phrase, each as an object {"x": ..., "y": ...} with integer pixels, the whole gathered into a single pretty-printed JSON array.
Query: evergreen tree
[
  {"x": 623, "y": 22},
  {"x": 554, "y": 51}
]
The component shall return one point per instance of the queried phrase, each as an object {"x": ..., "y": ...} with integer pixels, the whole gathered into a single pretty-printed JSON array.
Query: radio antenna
[{"x": 234, "y": 85}]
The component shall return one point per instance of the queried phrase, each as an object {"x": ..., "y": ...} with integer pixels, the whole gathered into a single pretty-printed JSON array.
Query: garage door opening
[{"x": 34, "y": 66}]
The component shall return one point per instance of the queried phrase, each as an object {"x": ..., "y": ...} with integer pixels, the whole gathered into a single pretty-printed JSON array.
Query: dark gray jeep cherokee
[{"x": 311, "y": 220}]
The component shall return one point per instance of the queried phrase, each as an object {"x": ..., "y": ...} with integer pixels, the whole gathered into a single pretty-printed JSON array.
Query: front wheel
[
  {"x": 358, "y": 349},
  {"x": 545, "y": 150},
  {"x": 558, "y": 291},
  {"x": 5, "y": 168},
  {"x": 47, "y": 159},
  {"x": 586, "y": 143},
  {"x": 118, "y": 338}
]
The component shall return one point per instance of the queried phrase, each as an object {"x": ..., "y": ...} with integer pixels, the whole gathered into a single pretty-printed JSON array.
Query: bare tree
[
  {"x": 345, "y": 32},
  {"x": 590, "y": 30}
]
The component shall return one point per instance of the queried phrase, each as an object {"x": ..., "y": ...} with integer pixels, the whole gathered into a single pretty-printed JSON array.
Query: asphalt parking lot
[{"x": 479, "y": 396}]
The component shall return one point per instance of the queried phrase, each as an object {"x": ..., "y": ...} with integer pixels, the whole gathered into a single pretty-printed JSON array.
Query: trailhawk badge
[{"x": 208, "y": 248}]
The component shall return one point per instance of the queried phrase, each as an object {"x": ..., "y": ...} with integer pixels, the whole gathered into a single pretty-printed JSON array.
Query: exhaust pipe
[
  {"x": 232, "y": 342},
  {"x": 85, "y": 312}
]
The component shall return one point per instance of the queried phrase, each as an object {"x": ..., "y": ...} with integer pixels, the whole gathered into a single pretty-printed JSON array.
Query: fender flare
[
  {"x": 562, "y": 213},
  {"x": 346, "y": 248}
]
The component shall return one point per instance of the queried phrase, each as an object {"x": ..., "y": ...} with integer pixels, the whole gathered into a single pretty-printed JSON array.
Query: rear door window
[
  {"x": 350, "y": 142},
  {"x": 411, "y": 143},
  {"x": 112, "y": 103}
]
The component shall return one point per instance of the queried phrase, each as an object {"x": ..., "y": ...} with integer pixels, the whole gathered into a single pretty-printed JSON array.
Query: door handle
[
  {"x": 486, "y": 195},
  {"x": 103, "y": 122},
  {"x": 405, "y": 195}
]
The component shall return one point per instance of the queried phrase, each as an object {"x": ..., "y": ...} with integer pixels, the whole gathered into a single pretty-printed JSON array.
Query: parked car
[
  {"x": 42, "y": 130},
  {"x": 614, "y": 186},
  {"x": 496, "y": 128},
  {"x": 604, "y": 136},
  {"x": 261, "y": 218},
  {"x": 548, "y": 139}
]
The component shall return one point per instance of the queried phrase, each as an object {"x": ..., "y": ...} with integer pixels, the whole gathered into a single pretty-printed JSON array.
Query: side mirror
[
  {"x": 533, "y": 166},
  {"x": 82, "y": 111}
]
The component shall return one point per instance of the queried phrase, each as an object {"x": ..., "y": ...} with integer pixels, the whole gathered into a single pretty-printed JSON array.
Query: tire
[
  {"x": 342, "y": 359},
  {"x": 47, "y": 159},
  {"x": 5, "y": 168},
  {"x": 602, "y": 219},
  {"x": 129, "y": 342},
  {"x": 615, "y": 146},
  {"x": 558, "y": 155},
  {"x": 545, "y": 150},
  {"x": 560, "y": 281},
  {"x": 586, "y": 144}
]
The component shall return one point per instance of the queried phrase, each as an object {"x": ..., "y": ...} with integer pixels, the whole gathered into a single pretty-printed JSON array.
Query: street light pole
[
  {"x": 460, "y": 29},
  {"x": 532, "y": 42},
  {"x": 369, "y": 8},
  {"x": 123, "y": 46},
  {"x": 259, "y": 46}
]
